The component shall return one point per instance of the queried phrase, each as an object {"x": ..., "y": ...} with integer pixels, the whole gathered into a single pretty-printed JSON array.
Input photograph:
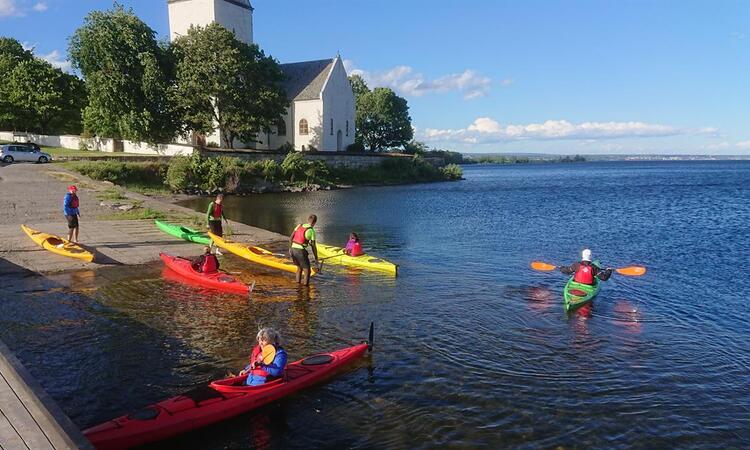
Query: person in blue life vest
[
  {"x": 302, "y": 237},
  {"x": 72, "y": 213},
  {"x": 267, "y": 360},
  {"x": 586, "y": 272},
  {"x": 207, "y": 262}
]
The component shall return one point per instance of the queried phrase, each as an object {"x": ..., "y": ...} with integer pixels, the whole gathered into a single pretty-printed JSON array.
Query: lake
[{"x": 472, "y": 347}]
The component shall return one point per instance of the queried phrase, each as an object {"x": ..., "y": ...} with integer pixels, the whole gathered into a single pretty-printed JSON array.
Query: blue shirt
[{"x": 67, "y": 205}]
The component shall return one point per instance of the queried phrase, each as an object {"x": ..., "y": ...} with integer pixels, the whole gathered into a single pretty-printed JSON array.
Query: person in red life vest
[
  {"x": 586, "y": 272},
  {"x": 207, "y": 262},
  {"x": 302, "y": 237},
  {"x": 354, "y": 246},
  {"x": 215, "y": 214},
  {"x": 70, "y": 208},
  {"x": 268, "y": 359}
]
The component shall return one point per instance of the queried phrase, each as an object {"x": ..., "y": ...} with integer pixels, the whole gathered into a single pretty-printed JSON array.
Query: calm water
[{"x": 472, "y": 347}]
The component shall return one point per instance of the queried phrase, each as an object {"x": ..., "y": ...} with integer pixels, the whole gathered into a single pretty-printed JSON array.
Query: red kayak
[
  {"x": 216, "y": 280},
  {"x": 218, "y": 401}
]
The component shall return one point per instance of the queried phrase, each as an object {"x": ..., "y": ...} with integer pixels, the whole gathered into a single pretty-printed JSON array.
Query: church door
[{"x": 339, "y": 141}]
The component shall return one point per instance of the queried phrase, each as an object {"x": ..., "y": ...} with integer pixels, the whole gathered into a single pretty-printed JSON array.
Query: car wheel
[
  {"x": 8, "y": 159},
  {"x": 43, "y": 159}
]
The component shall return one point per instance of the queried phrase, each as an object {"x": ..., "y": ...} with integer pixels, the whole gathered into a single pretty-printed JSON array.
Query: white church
[{"x": 321, "y": 101}]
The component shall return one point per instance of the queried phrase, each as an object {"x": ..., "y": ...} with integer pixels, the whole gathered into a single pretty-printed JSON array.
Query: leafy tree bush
[
  {"x": 223, "y": 82},
  {"x": 452, "y": 172},
  {"x": 128, "y": 76},
  {"x": 294, "y": 166},
  {"x": 179, "y": 175}
]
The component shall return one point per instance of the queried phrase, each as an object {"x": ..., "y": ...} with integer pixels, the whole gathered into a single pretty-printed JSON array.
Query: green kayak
[
  {"x": 578, "y": 294},
  {"x": 186, "y": 233}
]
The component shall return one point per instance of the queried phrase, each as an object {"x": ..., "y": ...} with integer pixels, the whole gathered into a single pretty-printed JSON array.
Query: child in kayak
[
  {"x": 354, "y": 246},
  {"x": 207, "y": 262},
  {"x": 586, "y": 272},
  {"x": 268, "y": 359}
]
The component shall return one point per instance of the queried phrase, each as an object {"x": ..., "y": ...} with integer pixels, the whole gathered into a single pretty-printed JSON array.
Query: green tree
[
  {"x": 44, "y": 98},
  {"x": 12, "y": 53},
  {"x": 222, "y": 82},
  {"x": 127, "y": 75},
  {"x": 382, "y": 120},
  {"x": 359, "y": 87},
  {"x": 416, "y": 148}
]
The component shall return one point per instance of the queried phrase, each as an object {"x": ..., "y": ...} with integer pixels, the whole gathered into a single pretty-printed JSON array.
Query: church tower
[{"x": 234, "y": 15}]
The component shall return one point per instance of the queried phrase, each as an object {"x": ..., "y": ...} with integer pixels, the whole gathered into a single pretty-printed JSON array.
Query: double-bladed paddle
[{"x": 631, "y": 271}]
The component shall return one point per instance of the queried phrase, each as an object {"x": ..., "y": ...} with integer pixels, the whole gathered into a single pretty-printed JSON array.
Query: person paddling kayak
[
  {"x": 72, "y": 213},
  {"x": 268, "y": 359},
  {"x": 207, "y": 262},
  {"x": 215, "y": 214},
  {"x": 302, "y": 237},
  {"x": 586, "y": 272},
  {"x": 353, "y": 246}
]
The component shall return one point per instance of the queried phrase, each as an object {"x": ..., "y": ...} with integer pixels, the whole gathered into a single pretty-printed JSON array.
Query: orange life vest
[
  {"x": 584, "y": 274},
  {"x": 218, "y": 211},
  {"x": 357, "y": 249},
  {"x": 299, "y": 235},
  {"x": 209, "y": 264},
  {"x": 257, "y": 357}
]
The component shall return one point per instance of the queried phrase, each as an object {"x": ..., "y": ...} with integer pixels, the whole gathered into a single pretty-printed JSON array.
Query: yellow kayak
[
  {"x": 365, "y": 261},
  {"x": 52, "y": 243},
  {"x": 257, "y": 255}
]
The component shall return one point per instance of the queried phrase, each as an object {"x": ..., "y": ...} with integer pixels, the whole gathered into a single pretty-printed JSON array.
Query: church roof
[{"x": 304, "y": 80}]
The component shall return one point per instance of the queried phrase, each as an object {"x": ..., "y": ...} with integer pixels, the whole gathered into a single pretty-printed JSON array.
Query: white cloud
[
  {"x": 487, "y": 130},
  {"x": 738, "y": 35},
  {"x": 8, "y": 8},
  {"x": 57, "y": 59},
  {"x": 506, "y": 82},
  {"x": 406, "y": 81},
  {"x": 743, "y": 145},
  {"x": 19, "y": 8}
]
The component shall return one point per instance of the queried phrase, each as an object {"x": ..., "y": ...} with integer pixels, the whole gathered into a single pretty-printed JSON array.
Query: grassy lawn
[{"x": 67, "y": 152}]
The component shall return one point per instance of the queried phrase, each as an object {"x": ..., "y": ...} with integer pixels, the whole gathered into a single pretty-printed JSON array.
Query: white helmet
[{"x": 586, "y": 255}]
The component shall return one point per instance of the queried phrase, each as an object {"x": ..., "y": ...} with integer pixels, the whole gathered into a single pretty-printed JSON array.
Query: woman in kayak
[
  {"x": 207, "y": 262},
  {"x": 354, "y": 246},
  {"x": 585, "y": 272},
  {"x": 267, "y": 360}
]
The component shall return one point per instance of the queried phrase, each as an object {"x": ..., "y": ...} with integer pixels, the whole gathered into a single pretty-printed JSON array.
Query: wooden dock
[{"x": 29, "y": 418}]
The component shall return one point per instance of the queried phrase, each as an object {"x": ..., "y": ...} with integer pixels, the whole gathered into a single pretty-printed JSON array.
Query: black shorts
[
  {"x": 72, "y": 221},
  {"x": 215, "y": 227},
  {"x": 301, "y": 258}
]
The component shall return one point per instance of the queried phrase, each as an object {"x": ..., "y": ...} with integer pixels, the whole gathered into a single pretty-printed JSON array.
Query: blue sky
[{"x": 505, "y": 76}]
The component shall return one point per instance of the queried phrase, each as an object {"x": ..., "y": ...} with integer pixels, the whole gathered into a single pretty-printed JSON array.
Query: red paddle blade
[
  {"x": 544, "y": 267},
  {"x": 632, "y": 271}
]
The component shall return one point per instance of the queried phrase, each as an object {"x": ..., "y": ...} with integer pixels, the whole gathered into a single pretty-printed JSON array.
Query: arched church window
[
  {"x": 347, "y": 128},
  {"x": 281, "y": 128},
  {"x": 332, "y": 126},
  {"x": 303, "y": 129}
]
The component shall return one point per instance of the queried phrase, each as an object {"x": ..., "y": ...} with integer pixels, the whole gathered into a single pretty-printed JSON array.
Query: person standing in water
[
  {"x": 586, "y": 272},
  {"x": 70, "y": 208},
  {"x": 302, "y": 237}
]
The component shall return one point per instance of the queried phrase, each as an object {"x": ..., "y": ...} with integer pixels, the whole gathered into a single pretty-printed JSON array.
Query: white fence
[{"x": 102, "y": 145}]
